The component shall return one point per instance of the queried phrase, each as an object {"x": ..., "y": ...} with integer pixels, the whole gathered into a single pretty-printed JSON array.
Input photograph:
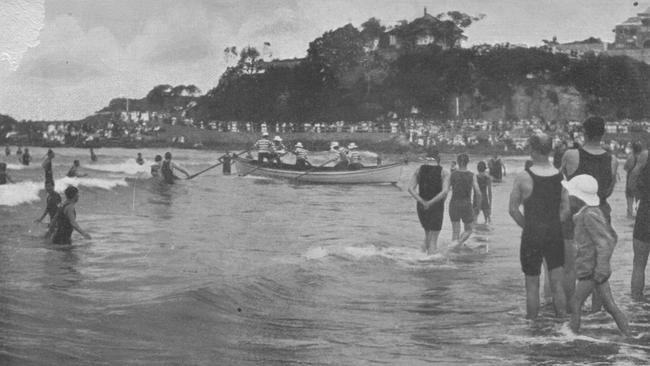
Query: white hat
[
  {"x": 352, "y": 145},
  {"x": 298, "y": 144},
  {"x": 277, "y": 138},
  {"x": 584, "y": 187},
  {"x": 264, "y": 134},
  {"x": 334, "y": 143}
]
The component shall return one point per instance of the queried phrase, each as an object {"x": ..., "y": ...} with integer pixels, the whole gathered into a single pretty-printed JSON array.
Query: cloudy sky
[{"x": 65, "y": 59}]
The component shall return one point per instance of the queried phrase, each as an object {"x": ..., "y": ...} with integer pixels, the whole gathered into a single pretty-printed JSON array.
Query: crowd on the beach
[{"x": 566, "y": 219}]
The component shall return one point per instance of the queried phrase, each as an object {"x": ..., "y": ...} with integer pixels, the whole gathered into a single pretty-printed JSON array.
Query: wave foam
[
  {"x": 19, "y": 193},
  {"x": 128, "y": 167},
  {"x": 62, "y": 183}
]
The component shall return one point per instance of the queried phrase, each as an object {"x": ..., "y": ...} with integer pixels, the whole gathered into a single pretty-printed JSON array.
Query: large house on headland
[{"x": 633, "y": 33}]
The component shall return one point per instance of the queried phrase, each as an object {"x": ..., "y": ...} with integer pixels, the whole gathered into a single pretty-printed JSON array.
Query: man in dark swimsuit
[
  {"x": 497, "y": 169},
  {"x": 539, "y": 189},
  {"x": 52, "y": 205},
  {"x": 464, "y": 186},
  {"x": 590, "y": 159},
  {"x": 432, "y": 183},
  {"x": 167, "y": 169},
  {"x": 27, "y": 157},
  {"x": 226, "y": 160},
  {"x": 640, "y": 178},
  {"x": 65, "y": 220}
]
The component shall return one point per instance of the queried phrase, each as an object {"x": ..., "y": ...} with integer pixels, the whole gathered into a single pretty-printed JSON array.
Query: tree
[
  {"x": 372, "y": 29},
  {"x": 249, "y": 60},
  {"x": 339, "y": 50},
  {"x": 158, "y": 94}
]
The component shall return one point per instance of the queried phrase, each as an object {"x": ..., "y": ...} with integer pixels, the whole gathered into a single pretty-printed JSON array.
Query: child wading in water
[
  {"x": 485, "y": 186},
  {"x": 595, "y": 240}
]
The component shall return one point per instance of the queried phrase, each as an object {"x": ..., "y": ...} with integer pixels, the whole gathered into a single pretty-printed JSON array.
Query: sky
[{"x": 66, "y": 59}]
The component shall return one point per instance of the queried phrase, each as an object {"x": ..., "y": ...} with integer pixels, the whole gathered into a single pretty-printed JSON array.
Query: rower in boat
[
  {"x": 264, "y": 148},
  {"x": 355, "y": 157},
  {"x": 342, "y": 159},
  {"x": 301, "y": 157},
  {"x": 279, "y": 150}
]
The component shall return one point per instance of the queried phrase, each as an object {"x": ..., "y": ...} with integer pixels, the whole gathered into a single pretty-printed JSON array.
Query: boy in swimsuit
[{"x": 595, "y": 241}]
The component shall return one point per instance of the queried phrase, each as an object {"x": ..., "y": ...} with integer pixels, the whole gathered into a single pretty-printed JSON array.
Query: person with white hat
[
  {"x": 354, "y": 156},
  {"x": 279, "y": 150},
  {"x": 539, "y": 190},
  {"x": 595, "y": 241},
  {"x": 342, "y": 159},
  {"x": 301, "y": 157},
  {"x": 264, "y": 148}
]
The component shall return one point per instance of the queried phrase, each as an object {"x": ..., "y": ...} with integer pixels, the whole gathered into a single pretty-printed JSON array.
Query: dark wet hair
[
  {"x": 157, "y": 158},
  {"x": 637, "y": 147},
  {"x": 541, "y": 143},
  {"x": 70, "y": 192},
  {"x": 168, "y": 155},
  {"x": 50, "y": 152},
  {"x": 594, "y": 127},
  {"x": 481, "y": 167},
  {"x": 462, "y": 159}
]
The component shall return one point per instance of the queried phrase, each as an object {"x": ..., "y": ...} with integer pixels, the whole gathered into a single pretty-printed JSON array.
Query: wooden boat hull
[{"x": 370, "y": 175}]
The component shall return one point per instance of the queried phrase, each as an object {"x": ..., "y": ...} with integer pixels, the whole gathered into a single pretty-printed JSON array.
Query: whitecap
[{"x": 19, "y": 193}]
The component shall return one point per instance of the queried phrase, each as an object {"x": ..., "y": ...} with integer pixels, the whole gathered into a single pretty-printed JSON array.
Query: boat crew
[
  {"x": 343, "y": 161},
  {"x": 278, "y": 150},
  {"x": 354, "y": 156},
  {"x": 301, "y": 157},
  {"x": 264, "y": 148}
]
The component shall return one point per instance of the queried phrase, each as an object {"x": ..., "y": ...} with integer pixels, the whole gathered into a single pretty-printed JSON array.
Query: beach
[{"x": 247, "y": 271}]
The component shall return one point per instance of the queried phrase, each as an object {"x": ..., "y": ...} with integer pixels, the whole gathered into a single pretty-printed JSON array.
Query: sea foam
[{"x": 19, "y": 193}]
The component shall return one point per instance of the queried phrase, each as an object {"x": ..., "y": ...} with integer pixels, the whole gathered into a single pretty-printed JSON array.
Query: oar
[
  {"x": 214, "y": 166},
  {"x": 312, "y": 168}
]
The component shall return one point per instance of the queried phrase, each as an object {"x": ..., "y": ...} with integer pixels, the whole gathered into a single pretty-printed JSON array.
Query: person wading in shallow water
[
  {"x": 539, "y": 190},
  {"x": 167, "y": 169},
  {"x": 47, "y": 167},
  {"x": 463, "y": 186},
  {"x": 640, "y": 178},
  {"x": 65, "y": 220},
  {"x": 429, "y": 186},
  {"x": 52, "y": 205}
]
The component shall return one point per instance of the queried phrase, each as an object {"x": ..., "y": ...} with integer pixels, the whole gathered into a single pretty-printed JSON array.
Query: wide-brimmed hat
[
  {"x": 298, "y": 144},
  {"x": 277, "y": 138},
  {"x": 352, "y": 145},
  {"x": 584, "y": 187}
]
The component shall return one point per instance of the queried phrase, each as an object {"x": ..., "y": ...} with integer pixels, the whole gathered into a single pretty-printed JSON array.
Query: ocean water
[{"x": 228, "y": 270}]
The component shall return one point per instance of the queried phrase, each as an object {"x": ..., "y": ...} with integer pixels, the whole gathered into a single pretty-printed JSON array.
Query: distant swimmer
[
  {"x": 354, "y": 156},
  {"x": 7, "y": 150},
  {"x": 139, "y": 159},
  {"x": 485, "y": 186},
  {"x": 302, "y": 161},
  {"x": 462, "y": 183},
  {"x": 20, "y": 150},
  {"x": 65, "y": 220},
  {"x": 595, "y": 241},
  {"x": 429, "y": 186},
  {"x": 26, "y": 158},
  {"x": 226, "y": 161},
  {"x": 4, "y": 176},
  {"x": 47, "y": 166},
  {"x": 497, "y": 168},
  {"x": 52, "y": 203},
  {"x": 93, "y": 157},
  {"x": 155, "y": 167},
  {"x": 74, "y": 170},
  {"x": 167, "y": 169},
  {"x": 546, "y": 203},
  {"x": 264, "y": 148}
]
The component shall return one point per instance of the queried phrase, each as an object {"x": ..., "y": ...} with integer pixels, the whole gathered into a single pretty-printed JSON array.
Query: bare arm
[
  {"x": 477, "y": 190},
  {"x": 69, "y": 211},
  {"x": 614, "y": 175},
  {"x": 565, "y": 206},
  {"x": 489, "y": 191},
  {"x": 516, "y": 200},
  {"x": 413, "y": 186},
  {"x": 180, "y": 169}
]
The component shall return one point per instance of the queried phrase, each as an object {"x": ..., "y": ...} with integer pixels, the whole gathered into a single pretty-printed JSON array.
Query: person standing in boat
[
  {"x": 26, "y": 158},
  {"x": 74, "y": 170},
  {"x": 167, "y": 169},
  {"x": 279, "y": 150},
  {"x": 539, "y": 189},
  {"x": 429, "y": 187},
  {"x": 462, "y": 183},
  {"x": 47, "y": 166},
  {"x": 65, "y": 220},
  {"x": 301, "y": 157},
  {"x": 354, "y": 156},
  {"x": 264, "y": 148},
  {"x": 226, "y": 160}
]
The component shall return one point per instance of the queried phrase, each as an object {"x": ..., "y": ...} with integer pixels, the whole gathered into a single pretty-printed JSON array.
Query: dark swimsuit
[
  {"x": 460, "y": 204},
  {"x": 642, "y": 222},
  {"x": 430, "y": 184},
  {"x": 63, "y": 231},
  {"x": 167, "y": 173},
  {"x": 542, "y": 234}
]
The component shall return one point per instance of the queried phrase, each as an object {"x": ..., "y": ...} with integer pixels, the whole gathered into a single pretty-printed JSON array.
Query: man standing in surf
[
  {"x": 65, "y": 220},
  {"x": 640, "y": 181},
  {"x": 432, "y": 183},
  {"x": 590, "y": 159},
  {"x": 47, "y": 167},
  {"x": 167, "y": 169},
  {"x": 462, "y": 183},
  {"x": 539, "y": 189}
]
